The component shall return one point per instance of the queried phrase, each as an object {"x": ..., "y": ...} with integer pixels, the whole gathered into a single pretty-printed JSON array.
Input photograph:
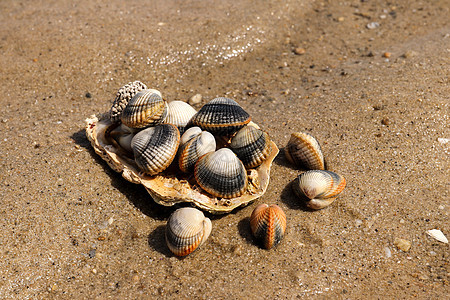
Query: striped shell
[
  {"x": 124, "y": 95},
  {"x": 268, "y": 224},
  {"x": 303, "y": 150},
  {"x": 189, "y": 134},
  {"x": 146, "y": 108},
  {"x": 180, "y": 113},
  {"x": 221, "y": 174},
  {"x": 221, "y": 116},
  {"x": 155, "y": 148},
  {"x": 190, "y": 152},
  {"x": 186, "y": 230},
  {"x": 319, "y": 187},
  {"x": 251, "y": 145}
]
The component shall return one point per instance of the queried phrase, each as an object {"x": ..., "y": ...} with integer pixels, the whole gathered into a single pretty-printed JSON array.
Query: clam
[
  {"x": 268, "y": 224},
  {"x": 186, "y": 230},
  {"x": 189, "y": 134},
  {"x": 221, "y": 174},
  {"x": 221, "y": 116},
  {"x": 251, "y": 145},
  {"x": 191, "y": 151},
  {"x": 124, "y": 95},
  {"x": 154, "y": 148},
  {"x": 179, "y": 114},
  {"x": 146, "y": 108},
  {"x": 303, "y": 150},
  {"x": 319, "y": 187},
  {"x": 123, "y": 135}
]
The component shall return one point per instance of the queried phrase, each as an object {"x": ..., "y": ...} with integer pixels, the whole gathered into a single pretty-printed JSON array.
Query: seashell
[
  {"x": 268, "y": 224},
  {"x": 191, "y": 151},
  {"x": 221, "y": 174},
  {"x": 438, "y": 235},
  {"x": 154, "y": 148},
  {"x": 189, "y": 134},
  {"x": 180, "y": 113},
  {"x": 251, "y": 145},
  {"x": 146, "y": 108},
  {"x": 303, "y": 150},
  {"x": 124, "y": 95},
  {"x": 221, "y": 116},
  {"x": 319, "y": 186},
  {"x": 186, "y": 230},
  {"x": 123, "y": 136}
]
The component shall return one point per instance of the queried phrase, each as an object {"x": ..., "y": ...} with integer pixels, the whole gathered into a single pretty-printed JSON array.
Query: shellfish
[
  {"x": 155, "y": 148},
  {"x": 146, "y": 108},
  {"x": 191, "y": 151},
  {"x": 186, "y": 230},
  {"x": 251, "y": 145},
  {"x": 179, "y": 114},
  {"x": 123, "y": 135},
  {"x": 221, "y": 174},
  {"x": 319, "y": 187},
  {"x": 221, "y": 116},
  {"x": 124, "y": 95},
  {"x": 304, "y": 150},
  {"x": 268, "y": 224}
]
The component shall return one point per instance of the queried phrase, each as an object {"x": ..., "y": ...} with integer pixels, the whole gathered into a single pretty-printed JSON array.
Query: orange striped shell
[{"x": 268, "y": 224}]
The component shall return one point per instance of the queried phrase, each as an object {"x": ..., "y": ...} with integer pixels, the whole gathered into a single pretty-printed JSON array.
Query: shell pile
[
  {"x": 215, "y": 158},
  {"x": 317, "y": 187}
]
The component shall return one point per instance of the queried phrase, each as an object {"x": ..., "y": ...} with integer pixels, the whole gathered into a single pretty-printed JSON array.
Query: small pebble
[
  {"x": 385, "y": 121},
  {"x": 402, "y": 244},
  {"x": 91, "y": 253},
  {"x": 373, "y": 25},
  {"x": 409, "y": 54},
  {"x": 341, "y": 19},
  {"x": 299, "y": 51},
  {"x": 94, "y": 271},
  {"x": 88, "y": 95},
  {"x": 387, "y": 252},
  {"x": 196, "y": 99},
  {"x": 387, "y": 54}
]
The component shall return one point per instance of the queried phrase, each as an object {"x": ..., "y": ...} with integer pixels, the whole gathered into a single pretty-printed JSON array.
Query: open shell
[{"x": 169, "y": 188}]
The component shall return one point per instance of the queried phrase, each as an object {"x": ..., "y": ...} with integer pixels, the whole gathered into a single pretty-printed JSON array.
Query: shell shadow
[
  {"x": 136, "y": 194},
  {"x": 292, "y": 201},
  {"x": 157, "y": 241},
  {"x": 281, "y": 160},
  {"x": 244, "y": 230}
]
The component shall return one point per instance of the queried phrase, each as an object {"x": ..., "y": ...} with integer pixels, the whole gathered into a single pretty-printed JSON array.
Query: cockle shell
[
  {"x": 123, "y": 96},
  {"x": 123, "y": 135},
  {"x": 303, "y": 150},
  {"x": 189, "y": 134},
  {"x": 221, "y": 116},
  {"x": 251, "y": 145},
  {"x": 146, "y": 108},
  {"x": 186, "y": 230},
  {"x": 268, "y": 224},
  {"x": 221, "y": 174},
  {"x": 319, "y": 187},
  {"x": 179, "y": 114},
  {"x": 155, "y": 148},
  {"x": 191, "y": 151}
]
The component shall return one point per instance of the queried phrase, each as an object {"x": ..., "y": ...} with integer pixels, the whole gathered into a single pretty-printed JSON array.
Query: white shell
[
  {"x": 190, "y": 152},
  {"x": 180, "y": 113},
  {"x": 123, "y": 136},
  {"x": 438, "y": 235},
  {"x": 186, "y": 230},
  {"x": 189, "y": 134}
]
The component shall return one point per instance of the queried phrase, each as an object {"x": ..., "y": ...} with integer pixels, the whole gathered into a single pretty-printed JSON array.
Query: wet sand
[{"x": 369, "y": 79}]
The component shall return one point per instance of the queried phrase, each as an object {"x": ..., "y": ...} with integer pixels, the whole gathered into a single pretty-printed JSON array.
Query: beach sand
[{"x": 369, "y": 79}]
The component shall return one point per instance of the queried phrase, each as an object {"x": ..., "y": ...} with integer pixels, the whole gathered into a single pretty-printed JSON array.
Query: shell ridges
[{"x": 268, "y": 224}]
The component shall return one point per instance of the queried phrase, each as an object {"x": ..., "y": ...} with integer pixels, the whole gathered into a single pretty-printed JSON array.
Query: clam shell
[
  {"x": 320, "y": 187},
  {"x": 268, "y": 224},
  {"x": 303, "y": 150},
  {"x": 189, "y": 134},
  {"x": 154, "y": 148},
  {"x": 124, "y": 95},
  {"x": 186, "y": 230},
  {"x": 251, "y": 145},
  {"x": 190, "y": 152},
  {"x": 438, "y": 235},
  {"x": 123, "y": 135},
  {"x": 221, "y": 116},
  {"x": 221, "y": 174},
  {"x": 180, "y": 113},
  {"x": 146, "y": 108}
]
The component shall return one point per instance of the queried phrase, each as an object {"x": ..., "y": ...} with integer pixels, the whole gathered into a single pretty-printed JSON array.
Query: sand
[{"x": 369, "y": 79}]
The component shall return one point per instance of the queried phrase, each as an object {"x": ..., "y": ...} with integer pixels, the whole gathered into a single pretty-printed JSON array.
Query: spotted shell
[
  {"x": 303, "y": 150},
  {"x": 221, "y": 174},
  {"x": 155, "y": 148},
  {"x": 186, "y": 230},
  {"x": 191, "y": 151},
  {"x": 268, "y": 224},
  {"x": 146, "y": 108},
  {"x": 179, "y": 114},
  {"x": 251, "y": 145},
  {"x": 221, "y": 116},
  {"x": 124, "y": 95},
  {"x": 320, "y": 187}
]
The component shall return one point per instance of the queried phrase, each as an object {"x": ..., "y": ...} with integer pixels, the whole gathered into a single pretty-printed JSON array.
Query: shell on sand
[{"x": 438, "y": 235}]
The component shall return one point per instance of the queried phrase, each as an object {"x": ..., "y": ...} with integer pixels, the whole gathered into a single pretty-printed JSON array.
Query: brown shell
[
  {"x": 303, "y": 150},
  {"x": 268, "y": 224},
  {"x": 172, "y": 188}
]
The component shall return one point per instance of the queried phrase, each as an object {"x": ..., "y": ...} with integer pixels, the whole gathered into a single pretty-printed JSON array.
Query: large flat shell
[{"x": 169, "y": 189}]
